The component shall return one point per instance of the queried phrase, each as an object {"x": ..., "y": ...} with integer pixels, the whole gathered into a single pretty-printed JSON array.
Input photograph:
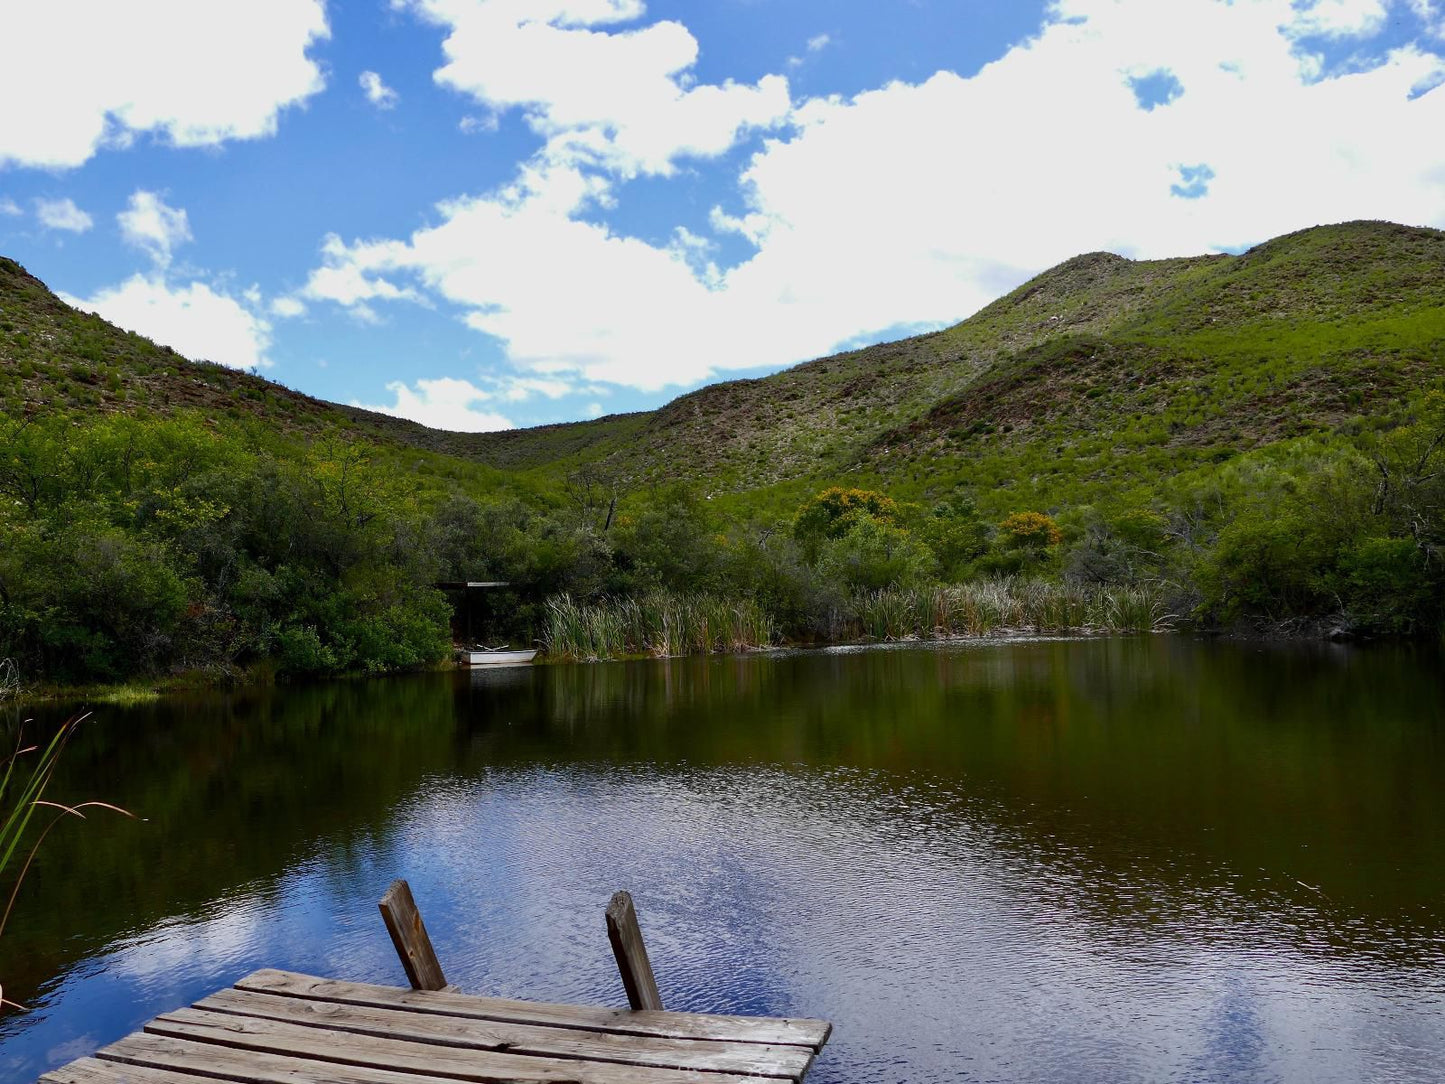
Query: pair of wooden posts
[{"x": 424, "y": 971}]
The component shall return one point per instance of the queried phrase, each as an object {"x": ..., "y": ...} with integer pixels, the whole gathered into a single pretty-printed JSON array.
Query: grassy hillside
[
  {"x": 1095, "y": 374},
  {"x": 57, "y": 359},
  {"x": 54, "y": 357}
]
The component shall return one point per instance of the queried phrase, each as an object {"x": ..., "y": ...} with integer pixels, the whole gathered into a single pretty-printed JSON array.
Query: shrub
[
  {"x": 831, "y": 512},
  {"x": 299, "y": 650},
  {"x": 1386, "y": 583},
  {"x": 1030, "y": 530},
  {"x": 1267, "y": 565},
  {"x": 873, "y": 555}
]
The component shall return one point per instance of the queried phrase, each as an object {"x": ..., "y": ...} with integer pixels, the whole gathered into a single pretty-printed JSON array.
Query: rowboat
[{"x": 500, "y": 657}]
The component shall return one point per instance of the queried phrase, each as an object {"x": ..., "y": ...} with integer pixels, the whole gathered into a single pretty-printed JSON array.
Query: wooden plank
[
  {"x": 631, "y": 953},
  {"x": 677, "y": 1025},
  {"x": 148, "y": 1053},
  {"x": 94, "y": 1071},
  {"x": 755, "y": 1059},
  {"x": 408, "y": 934},
  {"x": 213, "y": 1032}
]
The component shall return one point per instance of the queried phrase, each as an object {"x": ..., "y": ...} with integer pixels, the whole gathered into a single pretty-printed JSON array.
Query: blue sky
[{"x": 481, "y": 213}]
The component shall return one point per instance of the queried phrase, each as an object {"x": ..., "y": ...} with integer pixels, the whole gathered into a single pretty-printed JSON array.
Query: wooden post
[
  {"x": 627, "y": 946},
  {"x": 408, "y": 934}
]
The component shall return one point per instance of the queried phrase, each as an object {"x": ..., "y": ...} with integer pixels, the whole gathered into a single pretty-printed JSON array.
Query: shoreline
[{"x": 130, "y": 693}]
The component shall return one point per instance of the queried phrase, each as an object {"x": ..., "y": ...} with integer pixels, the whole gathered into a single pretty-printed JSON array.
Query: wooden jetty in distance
[{"x": 277, "y": 1027}]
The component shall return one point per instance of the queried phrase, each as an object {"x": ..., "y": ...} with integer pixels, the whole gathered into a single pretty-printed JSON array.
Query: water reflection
[{"x": 1139, "y": 859}]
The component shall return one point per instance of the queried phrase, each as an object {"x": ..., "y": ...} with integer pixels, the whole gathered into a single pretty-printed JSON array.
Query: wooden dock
[{"x": 277, "y": 1027}]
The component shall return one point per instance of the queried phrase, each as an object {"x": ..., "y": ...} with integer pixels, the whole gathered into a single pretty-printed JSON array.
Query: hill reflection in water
[{"x": 1116, "y": 859}]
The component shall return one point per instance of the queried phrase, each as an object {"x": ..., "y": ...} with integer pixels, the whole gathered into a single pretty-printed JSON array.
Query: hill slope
[
  {"x": 54, "y": 357},
  {"x": 1095, "y": 375},
  {"x": 1095, "y": 362}
]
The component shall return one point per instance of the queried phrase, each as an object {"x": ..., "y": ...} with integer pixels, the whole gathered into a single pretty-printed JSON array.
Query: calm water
[{"x": 1151, "y": 859}]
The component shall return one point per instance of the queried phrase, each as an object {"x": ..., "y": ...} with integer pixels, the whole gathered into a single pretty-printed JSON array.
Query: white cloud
[
  {"x": 148, "y": 224},
  {"x": 445, "y": 403},
  {"x": 514, "y": 260},
  {"x": 911, "y": 205},
  {"x": 9, "y": 207},
  {"x": 62, "y": 214},
  {"x": 1340, "y": 18},
  {"x": 519, "y": 389},
  {"x": 818, "y": 42},
  {"x": 594, "y": 410},
  {"x": 377, "y": 92},
  {"x": 624, "y": 101},
  {"x": 472, "y": 124},
  {"x": 99, "y": 74},
  {"x": 1430, "y": 13},
  {"x": 288, "y": 308},
  {"x": 342, "y": 280},
  {"x": 195, "y": 320}
]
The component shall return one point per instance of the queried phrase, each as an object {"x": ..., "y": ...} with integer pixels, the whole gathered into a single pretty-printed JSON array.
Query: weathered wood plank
[
  {"x": 678, "y": 1025},
  {"x": 408, "y": 934},
  {"x": 209, "y": 1061},
  {"x": 754, "y": 1059},
  {"x": 631, "y": 953},
  {"x": 275, "y": 1037},
  {"x": 93, "y": 1071}
]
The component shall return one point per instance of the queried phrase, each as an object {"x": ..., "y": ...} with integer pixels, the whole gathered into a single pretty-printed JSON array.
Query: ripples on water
[{"x": 962, "y": 903}]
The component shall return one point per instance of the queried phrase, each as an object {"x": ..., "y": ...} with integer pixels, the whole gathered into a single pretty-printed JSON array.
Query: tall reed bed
[
  {"x": 657, "y": 624},
  {"x": 992, "y": 606},
  {"x": 663, "y": 625}
]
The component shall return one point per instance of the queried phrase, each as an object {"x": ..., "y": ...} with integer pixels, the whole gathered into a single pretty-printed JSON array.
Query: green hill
[
  {"x": 1232, "y": 437},
  {"x": 1096, "y": 373}
]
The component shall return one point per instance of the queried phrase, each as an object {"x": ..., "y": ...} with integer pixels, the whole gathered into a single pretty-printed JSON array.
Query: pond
[{"x": 1148, "y": 859}]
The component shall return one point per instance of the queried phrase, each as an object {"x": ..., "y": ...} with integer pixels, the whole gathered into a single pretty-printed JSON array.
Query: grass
[
  {"x": 128, "y": 694},
  {"x": 663, "y": 626},
  {"x": 993, "y": 606},
  {"x": 657, "y": 624}
]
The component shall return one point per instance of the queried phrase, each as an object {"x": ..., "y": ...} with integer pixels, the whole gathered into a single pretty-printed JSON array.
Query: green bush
[
  {"x": 299, "y": 650},
  {"x": 1386, "y": 584},
  {"x": 1270, "y": 566},
  {"x": 872, "y": 555}
]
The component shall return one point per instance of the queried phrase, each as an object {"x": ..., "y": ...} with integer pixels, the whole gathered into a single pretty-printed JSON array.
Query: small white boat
[{"x": 494, "y": 657}]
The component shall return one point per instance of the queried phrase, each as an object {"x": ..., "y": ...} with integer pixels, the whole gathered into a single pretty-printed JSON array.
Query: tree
[
  {"x": 1410, "y": 485},
  {"x": 594, "y": 490}
]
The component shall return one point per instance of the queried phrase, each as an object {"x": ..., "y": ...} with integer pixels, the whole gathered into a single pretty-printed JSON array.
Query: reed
[
  {"x": 22, "y": 797},
  {"x": 587, "y": 633},
  {"x": 993, "y": 606},
  {"x": 657, "y": 624},
  {"x": 664, "y": 625}
]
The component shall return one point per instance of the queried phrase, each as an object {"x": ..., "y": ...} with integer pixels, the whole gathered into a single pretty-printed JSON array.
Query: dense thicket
[{"x": 133, "y": 545}]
